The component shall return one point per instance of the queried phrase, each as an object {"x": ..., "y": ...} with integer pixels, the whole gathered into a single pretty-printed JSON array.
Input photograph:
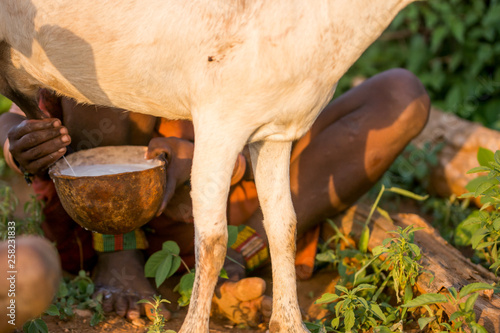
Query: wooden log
[
  {"x": 462, "y": 140},
  {"x": 449, "y": 267}
]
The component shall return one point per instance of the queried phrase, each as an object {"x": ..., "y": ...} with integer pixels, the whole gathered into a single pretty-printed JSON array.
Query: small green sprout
[{"x": 155, "y": 313}]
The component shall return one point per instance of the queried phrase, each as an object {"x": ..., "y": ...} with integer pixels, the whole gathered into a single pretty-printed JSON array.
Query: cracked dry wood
[
  {"x": 462, "y": 140},
  {"x": 450, "y": 267}
]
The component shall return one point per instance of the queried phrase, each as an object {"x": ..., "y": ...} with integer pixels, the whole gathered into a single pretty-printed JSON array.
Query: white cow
[{"x": 244, "y": 71}]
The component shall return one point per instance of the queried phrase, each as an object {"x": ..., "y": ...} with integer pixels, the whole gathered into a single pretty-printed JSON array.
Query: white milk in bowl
[
  {"x": 113, "y": 190},
  {"x": 103, "y": 169}
]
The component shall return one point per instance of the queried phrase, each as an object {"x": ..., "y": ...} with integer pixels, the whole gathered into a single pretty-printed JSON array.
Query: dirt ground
[{"x": 308, "y": 291}]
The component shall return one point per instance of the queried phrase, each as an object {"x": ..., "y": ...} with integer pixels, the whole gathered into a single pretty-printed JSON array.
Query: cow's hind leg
[
  {"x": 271, "y": 162},
  {"x": 215, "y": 154}
]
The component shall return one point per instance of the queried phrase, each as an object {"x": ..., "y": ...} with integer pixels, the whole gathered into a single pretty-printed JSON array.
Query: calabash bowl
[{"x": 111, "y": 203}]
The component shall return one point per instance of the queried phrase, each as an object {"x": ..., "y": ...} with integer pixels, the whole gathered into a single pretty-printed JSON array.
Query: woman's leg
[{"x": 352, "y": 143}]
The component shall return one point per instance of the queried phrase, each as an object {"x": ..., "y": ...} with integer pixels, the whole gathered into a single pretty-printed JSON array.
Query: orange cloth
[{"x": 307, "y": 246}]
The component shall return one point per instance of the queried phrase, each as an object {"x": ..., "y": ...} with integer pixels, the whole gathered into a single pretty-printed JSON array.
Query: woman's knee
[{"x": 409, "y": 98}]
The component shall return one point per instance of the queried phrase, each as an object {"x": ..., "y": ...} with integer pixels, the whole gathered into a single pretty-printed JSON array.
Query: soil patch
[{"x": 308, "y": 291}]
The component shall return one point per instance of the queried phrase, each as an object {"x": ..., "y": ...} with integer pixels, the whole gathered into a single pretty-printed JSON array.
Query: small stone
[
  {"x": 138, "y": 322},
  {"x": 488, "y": 293},
  {"x": 84, "y": 313}
]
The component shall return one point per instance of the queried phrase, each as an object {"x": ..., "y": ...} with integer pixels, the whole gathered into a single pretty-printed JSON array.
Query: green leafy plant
[
  {"x": 74, "y": 293},
  {"x": 30, "y": 224},
  {"x": 360, "y": 269},
  {"x": 329, "y": 251},
  {"x": 450, "y": 46},
  {"x": 447, "y": 214},
  {"x": 365, "y": 233},
  {"x": 400, "y": 266},
  {"x": 412, "y": 168},
  {"x": 35, "y": 326},
  {"x": 412, "y": 171},
  {"x": 8, "y": 204},
  {"x": 463, "y": 319},
  {"x": 356, "y": 266},
  {"x": 185, "y": 288},
  {"x": 158, "y": 319},
  {"x": 318, "y": 327},
  {"x": 485, "y": 224},
  {"x": 3, "y": 164},
  {"x": 164, "y": 263},
  {"x": 4, "y": 104},
  {"x": 38, "y": 325},
  {"x": 353, "y": 309},
  {"x": 402, "y": 256},
  {"x": 78, "y": 293}
]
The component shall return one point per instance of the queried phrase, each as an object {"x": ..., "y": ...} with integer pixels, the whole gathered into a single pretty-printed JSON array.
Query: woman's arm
[
  {"x": 32, "y": 145},
  {"x": 9, "y": 120}
]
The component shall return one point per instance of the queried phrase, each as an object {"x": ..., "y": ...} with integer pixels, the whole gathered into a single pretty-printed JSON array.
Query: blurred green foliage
[
  {"x": 4, "y": 104},
  {"x": 452, "y": 46}
]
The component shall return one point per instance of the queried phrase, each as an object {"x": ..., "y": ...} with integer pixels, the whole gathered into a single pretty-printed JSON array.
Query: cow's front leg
[{"x": 213, "y": 163}]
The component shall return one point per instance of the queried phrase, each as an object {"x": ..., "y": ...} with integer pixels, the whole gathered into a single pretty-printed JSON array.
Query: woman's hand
[
  {"x": 179, "y": 156},
  {"x": 37, "y": 144}
]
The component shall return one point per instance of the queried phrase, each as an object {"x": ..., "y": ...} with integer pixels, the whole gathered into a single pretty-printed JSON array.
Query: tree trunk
[{"x": 462, "y": 140}]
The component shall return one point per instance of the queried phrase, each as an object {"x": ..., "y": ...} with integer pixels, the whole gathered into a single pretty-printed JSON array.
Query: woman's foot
[
  {"x": 240, "y": 299},
  {"x": 119, "y": 277},
  {"x": 243, "y": 302}
]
